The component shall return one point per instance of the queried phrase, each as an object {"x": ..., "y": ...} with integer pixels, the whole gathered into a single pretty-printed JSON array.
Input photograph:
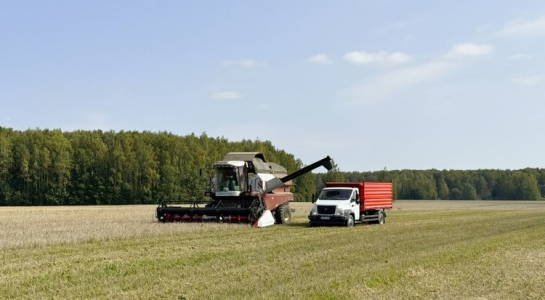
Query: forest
[
  {"x": 52, "y": 167},
  {"x": 486, "y": 184}
]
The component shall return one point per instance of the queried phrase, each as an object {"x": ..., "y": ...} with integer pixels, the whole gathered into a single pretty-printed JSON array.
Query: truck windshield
[
  {"x": 228, "y": 179},
  {"x": 335, "y": 194}
]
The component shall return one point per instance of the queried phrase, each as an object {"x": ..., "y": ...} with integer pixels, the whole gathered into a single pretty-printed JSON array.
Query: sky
[{"x": 374, "y": 84}]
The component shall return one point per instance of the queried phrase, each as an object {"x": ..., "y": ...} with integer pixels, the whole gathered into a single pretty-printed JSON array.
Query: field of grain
[{"x": 427, "y": 249}]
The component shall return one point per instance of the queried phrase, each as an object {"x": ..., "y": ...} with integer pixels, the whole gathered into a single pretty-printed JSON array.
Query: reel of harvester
[{"x": 213, "y": 211}]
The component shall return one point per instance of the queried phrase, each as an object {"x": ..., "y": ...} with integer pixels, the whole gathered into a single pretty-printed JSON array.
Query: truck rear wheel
[
  {"x": 350, "y": 221},
  {"x": 283, "y": 214}
]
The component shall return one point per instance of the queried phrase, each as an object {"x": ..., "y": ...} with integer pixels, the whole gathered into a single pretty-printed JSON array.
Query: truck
[
  {"x": 348, "y": 203},
  {"x": 244, "y": 188}
]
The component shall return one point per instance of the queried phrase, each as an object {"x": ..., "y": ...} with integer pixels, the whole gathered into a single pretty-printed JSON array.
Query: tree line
[
  {"x": 525, "y": 184},
  {"x": 51, "y": 167}
]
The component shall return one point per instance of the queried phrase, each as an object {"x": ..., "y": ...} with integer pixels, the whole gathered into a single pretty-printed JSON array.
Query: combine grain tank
[{"x": 245, "y": 188}]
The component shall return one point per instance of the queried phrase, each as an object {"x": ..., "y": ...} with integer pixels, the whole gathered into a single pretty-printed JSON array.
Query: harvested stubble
[
  {"x": 485, "y": 250},
  {"x": 27, "y": 226}
]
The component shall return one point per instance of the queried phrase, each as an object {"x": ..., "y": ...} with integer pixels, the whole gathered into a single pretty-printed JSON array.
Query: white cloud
[
  {"x": 519, "y": 28},
  {"x": 320, "y": 59},
  {"x": 226, "y": 95},
  {"x": 529, "y": 81},
  {"x": 243, "y": 63},
  {"x": 395, "y": 81},
  {"x": 519, "y": 56},
  {"x": 391, "y": 82},
  {"x": 381, "y": 57},
  {"x": 469, "y": 50}
]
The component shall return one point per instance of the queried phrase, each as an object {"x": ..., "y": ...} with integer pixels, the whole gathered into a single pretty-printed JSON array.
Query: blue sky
[{"x": 373, "y": 84}]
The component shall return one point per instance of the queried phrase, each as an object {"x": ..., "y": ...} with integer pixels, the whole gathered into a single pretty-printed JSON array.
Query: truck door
[{"x": 355, "y": 205}]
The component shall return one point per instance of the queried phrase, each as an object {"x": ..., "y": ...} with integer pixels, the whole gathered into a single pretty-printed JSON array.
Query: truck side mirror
[{"x": 313, "y": 198}]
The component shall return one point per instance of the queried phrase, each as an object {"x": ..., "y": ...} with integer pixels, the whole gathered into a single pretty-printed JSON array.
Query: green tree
[
  {"x": 305, "y": 186},
  {"x": 334, "y": 175},
  {"x": 415, "y": 185},
  {"x": 505, "y": 188},
  {"x": 456, "y": 194},
  {"x": 468, "y": 192},
  {"x": 526, "y": 186},
  {"x": 442, "y": 187},
  {"x": 89, "y": 169},
  {"x": 482, "y": 188},
  {"x": 6, "y": 165}
]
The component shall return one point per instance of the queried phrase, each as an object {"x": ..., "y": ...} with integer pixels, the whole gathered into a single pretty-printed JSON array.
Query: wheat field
[{"x": 426, "y": 250}]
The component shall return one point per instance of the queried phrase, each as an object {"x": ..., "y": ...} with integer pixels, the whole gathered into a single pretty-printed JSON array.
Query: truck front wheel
[
  {"x": 350, "y": 221},
  {"x": 381, "y": 218}
]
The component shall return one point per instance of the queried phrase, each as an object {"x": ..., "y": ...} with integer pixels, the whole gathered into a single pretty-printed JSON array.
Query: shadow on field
[
  {"x": 299, "y": 224},
  {"x": 307, "y": 225}
]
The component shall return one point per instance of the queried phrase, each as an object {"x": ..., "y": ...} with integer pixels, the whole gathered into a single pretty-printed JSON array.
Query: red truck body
[{"x": 373, "y": 195}]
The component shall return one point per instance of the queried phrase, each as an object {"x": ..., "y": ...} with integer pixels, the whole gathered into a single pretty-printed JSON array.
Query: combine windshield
[
  {"x": 336, "y": 194},
  {"x": 228, "y": 179}
]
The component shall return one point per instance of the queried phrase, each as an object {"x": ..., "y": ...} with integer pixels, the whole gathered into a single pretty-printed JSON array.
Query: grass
[{"x": 427, "y": 249}]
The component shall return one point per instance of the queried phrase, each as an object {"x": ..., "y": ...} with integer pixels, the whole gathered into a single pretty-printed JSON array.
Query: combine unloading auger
[{"x": 244, "y": 189}]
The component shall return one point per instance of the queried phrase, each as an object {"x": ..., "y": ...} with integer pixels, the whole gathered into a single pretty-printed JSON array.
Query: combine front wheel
[{"x": 283, "y": 214}]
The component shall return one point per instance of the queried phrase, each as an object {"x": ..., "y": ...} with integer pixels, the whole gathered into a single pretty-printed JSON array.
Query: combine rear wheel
[{"x": 283, "y": 214}]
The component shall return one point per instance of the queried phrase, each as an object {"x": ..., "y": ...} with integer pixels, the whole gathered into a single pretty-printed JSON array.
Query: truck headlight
[
  {"x": 339, "y": 212},
  {"x": 313, "y": 212}
]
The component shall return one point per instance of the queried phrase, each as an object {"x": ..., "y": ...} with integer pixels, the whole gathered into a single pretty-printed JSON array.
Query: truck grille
[{"x": 326, "y": 209}]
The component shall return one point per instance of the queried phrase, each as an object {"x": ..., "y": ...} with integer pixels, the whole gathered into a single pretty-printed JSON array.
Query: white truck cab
[{"x": 336, "y": 205}]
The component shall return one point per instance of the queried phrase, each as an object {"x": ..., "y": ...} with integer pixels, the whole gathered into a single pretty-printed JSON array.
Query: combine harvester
[{"x": 244, "y": 189}]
